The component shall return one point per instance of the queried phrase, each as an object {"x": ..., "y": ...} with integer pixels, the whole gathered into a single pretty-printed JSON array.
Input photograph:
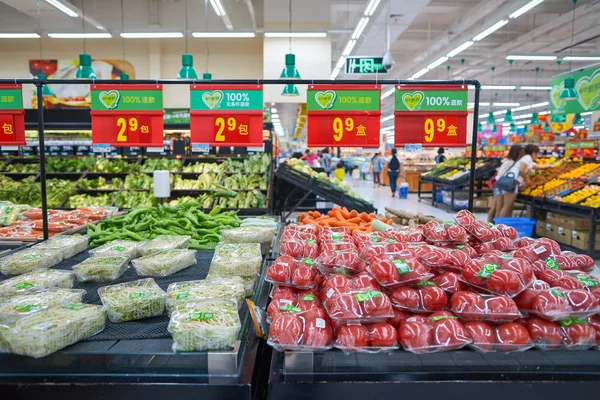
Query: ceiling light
[
  {"x": 522, "y": 108},
  {"x": 151, "y": 35},
  {"x": 587, "y": 113},
  {"x": 187, "y": 70},
  {"x": 105, "y": 35},
  {"x": 437, "y": 62},
  {"x": 223, "y": 34},
  {"x": 525, "y": 8},
  {"x": 334, "y": 73},
  {"x": 274, "y": 110},
  {"x": 296, "y": 34},
  {"x": 19, "y": 36},
  {"x": 506, "y": 104},
  {"x": 499, "y": 112},
  {"x": 581, "y": 58},
  {"x": 569, "y": 92},
  {"x": 63, "y": 8},
  {"x": 388, "y": 93},
  {"x": 540, "y": 104},
  {"x": 85, "y": 70},
  {"x": 536, "y": 88},
  {"x": 372, "y": 7},
  {"x": 362, "y": 24},
  {"x": 420, "y": 73},
  {"x": 481, "y": 104},
  {"x": 490, "y": 30},
  {"x": 349, "y": 48},
  {"x": 341, "y": 62},
  {"x": 530, "y": 57},
  {"x": 218, "y": 7},
  {"x": 544, "y": 113},
  {"x": 524, "y": 116},
  {"x": 460, "y": 48},
  {"x": 498, "y": 87},
  {"x": 387, "y": 128},
  {"x": 387, "y": 118}
]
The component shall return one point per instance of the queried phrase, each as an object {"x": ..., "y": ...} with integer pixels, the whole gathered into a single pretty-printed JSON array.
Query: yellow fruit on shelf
[{"x": 579, "y": 171}]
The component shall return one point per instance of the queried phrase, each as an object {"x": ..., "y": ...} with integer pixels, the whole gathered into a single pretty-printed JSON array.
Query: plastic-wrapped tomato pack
[
  {"x": 479, "y": 307},
  {"x": 427, "y": 297},
  {"x": 541, "y": 250},
  {"x": 465, "y": 248},
  {"x": 524, "y": 242},
  {"x": 284, "y": 302},
  {"x": 440, "y": 331},
  {"x": 366, "y": 251},
  {"x": 500, "y": 244},
  {"x": 566, "y": 261},
  {"x": 370, "y": 237},
  {"x": 447, "y": 259},
  {"x": 345, "y": 261},
  {"x": 557, "y": 304},
  {"x": 570, "y": 334},
  {"x": 299, "y": 249},
  {"x": 301, "y": 330},
  {"x": 405, "y": 234},
  {"x": 392, "y": 269},
  {"x": 507, "y": 231},
  {"x": 571, "y": 280},
  {"x": 289, "y": 272},
  {"x": 499, "y": 274},
  {"x": 339, "y": 283},
  {"x": 449, "y": 282},
  {"x": 510, "y": 336},
  {"x": 443, "y": 233},
  {"x": 369, "y": 338},
  {"x": 359, "y": 307},
  {"x": 478, "y": 229}
]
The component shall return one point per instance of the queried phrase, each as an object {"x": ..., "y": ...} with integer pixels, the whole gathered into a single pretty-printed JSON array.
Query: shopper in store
[
  {"x": 393, "y": 170},
  {"x": 309, "y": 157},
  {"x": 339, "y": 172},
  {"x": 376, "y": 167},
  {"x": 356, "y": 175},
  {"x": 440, "y": 158},
  {"x": 514, "y": 154},
  {"x": 326, "y": 161}
]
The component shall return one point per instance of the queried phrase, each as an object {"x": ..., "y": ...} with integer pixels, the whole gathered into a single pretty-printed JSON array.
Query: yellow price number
[
  {"x": 220, "y": 124},
  {"x": 340, "y": 125},
  {"x": 431, "y": 127},
  {"x": 125, "y": 125}
]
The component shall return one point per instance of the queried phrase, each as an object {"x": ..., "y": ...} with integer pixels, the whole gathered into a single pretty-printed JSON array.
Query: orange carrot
[
  {"x": 322, "y": 217},
  {"x": 301, "y": 217},
  {"x": 369, "y": 229},
  {"x": 326, "y": 220},
  {"x": 331, "y": 213},
  {"x": 345, "y": 213},
  {"x": 338, "y": 215},
  {"x": 343, "y": 223},
  {"x": 354, "y": 213},
  {"x": 373, "y": 216},
  {"x": 390, "y": 221},
  {"x": 308, "y": 220},
  {"x": 356, "y": 220},
  {"x": 365, "y": 217},
  {"x": 316, "y": 214}
]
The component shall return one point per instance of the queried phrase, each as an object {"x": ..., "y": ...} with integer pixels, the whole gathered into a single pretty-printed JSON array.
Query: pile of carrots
[{"x": 340, "y": 216}]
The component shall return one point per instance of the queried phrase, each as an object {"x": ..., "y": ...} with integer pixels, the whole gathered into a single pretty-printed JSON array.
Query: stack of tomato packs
[{"x": 442, "y": 286}]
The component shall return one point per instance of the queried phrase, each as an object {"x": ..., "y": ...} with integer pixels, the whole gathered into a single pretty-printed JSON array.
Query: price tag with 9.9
[{"x": 440, "y": 129}]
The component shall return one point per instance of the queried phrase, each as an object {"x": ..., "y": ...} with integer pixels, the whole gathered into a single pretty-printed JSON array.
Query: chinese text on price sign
[{"x": 12, "y": 116}]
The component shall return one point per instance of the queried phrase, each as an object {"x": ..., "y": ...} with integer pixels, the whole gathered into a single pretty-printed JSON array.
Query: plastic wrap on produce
[
  {"x": 361, "y": 306},
  {"x": 101, "y": 269},
  {"x": 164, "y": 242},
  {"x": 10, "y": 212},
  {"x": 570, "y": 334},
  {"x": 69, "y": 245},
  {"x": 296, "y": 329},
  {"x": 286, "y": 271},
  {"x": 556, "y": 304},
  {"x": 48, "y": 331},
  {"x": 34, "y": 281},
  {"x": 29, "y": 260},
  {"x": 477, "y": 307},
  {"x": 426, "y": 297},
  {"x": 125, "y": 248},
  {"x": 441, "y": 331},
  {"x": 286, "y": 299},
  {"x": 372, "y": 338},
  {"x": 499, "y": 274},
  {"x": 133, "y": 300},
  {"x": 250, "y": 234},
  {"x": 243, "y": 259},
  {"x": 165, "y": 262},
  {"x": 507, "y": 337},
  {"x": 205, "y": 325},
  {"x": 208, "y": 289},
  {"x": 17, "y": 307}
]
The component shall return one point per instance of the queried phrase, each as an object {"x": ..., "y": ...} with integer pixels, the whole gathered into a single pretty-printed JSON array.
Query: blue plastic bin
[
  {"x": 525, "y": 226},
  {"x": 403, "y": 191},
  {"x": 439, "y": 198}
]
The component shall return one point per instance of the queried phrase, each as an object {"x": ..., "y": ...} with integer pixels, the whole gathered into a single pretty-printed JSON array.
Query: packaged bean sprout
[
  {"x": 29, "y": 260},
  {"x": 17, "y": 307},
  {"x": 165, "y": 262},
  {"x": 125, "y": 248},
  {"x": 231, "y": 289},
  {"x": 34, "y": 281},
  {"x": 164, "y": 242},
  {"x": 101, "y": 269},
  {"x": 133, "y": 300},
  {"x": 243, "y": 259},
  {"x": 250, "y": 234},
  {"x": 68, "y": 245}
]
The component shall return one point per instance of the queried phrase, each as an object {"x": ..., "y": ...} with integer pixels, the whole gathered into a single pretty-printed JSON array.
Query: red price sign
[
  {"x": 343, "y": 131},
  {"x": 434, "y": 127},
  {"x": 12, "y": 116},
  {"x": 226, "y": 126}
]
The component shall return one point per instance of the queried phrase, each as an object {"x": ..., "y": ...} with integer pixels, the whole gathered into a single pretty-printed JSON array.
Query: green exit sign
[{"x": 365, "y": 65}]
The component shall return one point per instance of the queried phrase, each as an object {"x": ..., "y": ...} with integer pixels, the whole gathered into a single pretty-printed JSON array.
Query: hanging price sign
[
  {"x": 343, "y": 115},
  {"x": 12, "y": 116},
  {"x": 226, "y": 115},
  {"x": 432, "y": 115},
  {"x": 127, "y": 115},
  {"x": 587, "y": 149}
]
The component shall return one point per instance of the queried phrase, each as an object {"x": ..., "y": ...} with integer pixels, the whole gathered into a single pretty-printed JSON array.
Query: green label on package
[
  {"x": 364, "y": 296},
  {"x": 309, "y": 261},
  {"x": 587, "y": 281},
  {"x": 401, "y": 266},
  {"x": 431, "y": 100},
  {"x": 74, "y": 307},
  {"x": 117, "y": 248},
  {"x": 336, "y": 236},
  {"x": 24, "y": 285},
  {"x": 290, "y": 308},
  {"x": 439, "y": 317},
  {"x": 199, "y": 316},
  {"x": 425, "y": 283},
  {"x": 26, "y": 307},
  {"x": 551, "y": 263},
  {"x": 343, "y": 100},
  {"x": 182, "y": 295},
  {"x": 487, "y": 270},
  {"x": 31, "y": 256},
  {"x": 557, "y": 293},
  {"x": 573, "y": 321},
  {"x": 226, "y": 100},
  {"x": 391, "y": 240},
  {"x": 375, "y": 239},
  {"x": 311, "y": 242},
  {"x": 308, "y": 297},
  {"x": 126, "y": 100},
  {"x": 140, "y": 294}
]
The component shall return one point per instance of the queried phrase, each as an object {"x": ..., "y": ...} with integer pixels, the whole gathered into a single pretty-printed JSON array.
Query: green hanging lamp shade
[
  {"x": 85, "y": 70},
  {"x": 495, "y": 129},
  {"x": 124, "y": 76},
  {"x": 491, "y": 119},
  {"x": 207, "y": 76},
  {"x": 46, "y": 91},
  {"x": 513, "y": 128},
  {"x": 187, "y": 70},
  {"x": 534, "y": 119},
  {"x": 547, "y": 127},
  {"x": 569, "y": 92},
  {"x": 555, "y": 118},
  {"x": 290, "y": 71},
  {"x": 578, "y": 120},
  {"x": 479, "y": 127},
  {"x": 508, "y": 117},
  {"x": 290, "y": 90}
]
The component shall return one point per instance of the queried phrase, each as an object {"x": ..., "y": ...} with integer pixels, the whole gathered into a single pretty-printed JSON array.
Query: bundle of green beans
[{"x": 148, "y": 222}]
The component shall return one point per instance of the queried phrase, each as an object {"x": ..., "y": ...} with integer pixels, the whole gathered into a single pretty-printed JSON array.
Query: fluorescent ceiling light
[
  {"x": 151, "y": 35},
  {"x": 481, "y": 104},
  {"x": 420, "y": 73},
  {"x": 63, "y": 8},
  {"x": 507, "y": 104},
  {"x": 372, "y": 7},
  {"x": 334, "y": 73},
  {"x": 498, "y": 87},
  {"x": 587, "y": 113},
  {"x": 524, "y": 116},
  {"x": 296, "y": 34},
  {"x": 498, "y": 112},
  {"x": 483, "y": 116},
  {"x": 540, "y": 104},
  {"x": 490, "y": 30},
  {"x": 387, "y": 118},
  {"x": 525, "y": 8},
  {"x": 274, "y": 110},
  {"x": 349, "y": 48},
  {"x": 388, "y": 93},
  {"x": 86, "y": 35},
  {"x": 387, "y": 128},
  {"x": 536, "y": 88},
  {"x": 543, "y": 112},
  {"x": 19, "y": 36},
  {"x": 460, "y": 48},
  {"x": 218, "y": 7},
  {"x": 581, "y": 58},
  {"x": 522, "y": 108},
  {"x": 362, "y": 24},
  {"x": 437, "y": 62},
  {"x": 341, "y": 62},
  {"x": 223, "y": 34},
  {"x": 530, "y": 57}
]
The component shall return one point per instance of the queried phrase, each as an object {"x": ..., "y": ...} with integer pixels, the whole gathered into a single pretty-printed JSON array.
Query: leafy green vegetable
[
  {"x": 138, "y": 180},
  {"x": 22, "y": 167},
  {"x": 130, "y": 199},
  {"x": 162, "y": 164},
  {"x": 100, "y": 183},
  {"x": 114, "y": 166},
  {"x": 69, "y": 164},
  {"x": 86, "y": 200}
]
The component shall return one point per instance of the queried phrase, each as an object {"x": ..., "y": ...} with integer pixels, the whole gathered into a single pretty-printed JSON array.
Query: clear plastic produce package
[
  {"x": 286, "y": 271},
  {"x": 440, "y": 331},
  {"x": 205, "y": 325},
  {"x": 165, "y": 262},
  {"x": 557, "y": 304},
  {"x": 250, "y": 234},
  {"x": 125, "y": 248},
  {"x": 570, "y": 334},
  {"x": 48, "y": 331},
  {"x": 344, "y": 261},
  {"x": 243, "y": 259},
  {"x": 231, "y": 289},
  {"x": 29, "y": 260},
  {"x": 392, "y": 269},
  {"x": 371, "y": 338},
  {"x": 34, "y": 281},
  {"x": 427, "y": 297},
  {"x": 68, "y": 245},
  {"x": 359, "y": 307},
  {"x": 444, "y": 233},
  {"x": 446, "y": 259},
  {"x": 17, "y": 307},
  {"x": 287, "y": 299},
  {"x": 101, "y": 269},
  {"x": 301, "y": 330},
  {"x": 477, "y": 307},
  {"x": 499, "y": 274},
  {"x": 133, "y": 300},
  {"x": 510, "y": 336},
  {"x": 164, "y": 242}
]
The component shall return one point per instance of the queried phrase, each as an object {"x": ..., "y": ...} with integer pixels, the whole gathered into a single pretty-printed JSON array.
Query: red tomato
[
  {"x": 382, "y": 335},
  {"x": 406, "y": 297},
  {"x": 350, "y": 336},
  {"x": 398, "y": 318},
  {"x": 415, "y": 336},
  {"x": 528, "y": 253},
  {"x": 484, "y": 248},
  {"x": 449, "y": 282},
  {"x": 344, "y": 307},
  {"x": 580, "y": 335},
  {"x": 456, "y": 233},
  {"x": 552, "y": 248},
  {"x": 317, "y": 333},
  {"x": 286, "y": 329},
  {"x": 525, "y": 298},
  {"x": 467, "y": 305},
  {"x": 595, "y": 323},
  {"x": 465, "y": 217},
  {"x": 481, "y": 334},
  {"x": 448, "y": 331},
  {"x": 304, "y": 276},
  {"x": 504, "y": 282},
  {"x": 279, "y": 272},
  {"x": 551, "y": 304},
  {"x": 308, "y": 302},
  {"x": 538, "y": 268},
  {"x": 521, "y": 267},
  {"x": 379, "y": 305},
  {"x": 471, "y": 271},
  {"x": 545, "y": 334},
  {"x": 311, "y": 252},
  {"x": 581, "y": 301},
  {"x": 284, "y": 292},
  {"x": 458, "y": 258},
  {"x": 512, "y": 336},
  {"x": 292, "y": 249},
  {"x": 433, "y": 298},
  {"x": 287, "y": 260},
  {"x": 274, "y": 308},
  {"x": 384, "y": 271},
  {"x": 501, "y": 308},
  {"x": 364, "y": 282},
  {"x": 551, "y": 276},
  {"x": 569, "y": 282},
  {"x": 524, "y": 242}
]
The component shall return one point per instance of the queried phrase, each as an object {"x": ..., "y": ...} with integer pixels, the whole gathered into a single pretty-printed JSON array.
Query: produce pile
[
  {"x": 340, "y": 216},
  {"x": 115, "y": 165},
  {"x": 28, "y": 191},
  {"x": 299, "y": 166},
  {"x": 435, "y": 287}
]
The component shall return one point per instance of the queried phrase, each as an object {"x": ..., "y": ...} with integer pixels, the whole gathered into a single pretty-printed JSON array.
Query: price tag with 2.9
[
  {"x": 227, "y": 127},
  {"x": 133, "y": 129}
]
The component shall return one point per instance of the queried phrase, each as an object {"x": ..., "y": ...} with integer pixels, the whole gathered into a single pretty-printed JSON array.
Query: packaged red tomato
[
  {"x": 465, "y": 248},
  {"x": 581, "y": 262},
  {"x": 479, "y": 230},
  {"x": 398, "y": 318},
  {"x": 446, "y": 232},
  {"x": 339, "y": 283},
  {"x": 300, "y": 302},
  {"x": 370, "y": 338},
  {"x": 297, "y": 232},
  {"x": 525, "y": 298},
  {"x": 595, "y": 323},
  {"x": 440, "y": 331},
  {"x": 425, "y": 298},
  {"x": 405, "y": 234},
  {"x": 557, "y": 304},
  {"x": 510, "y": 336},
  {"x": 301, "y": 330},
  {"x": 286, "y": 271},
  {"x": 570, "y": 334},
  {"x": 366, "y": 250},
  {"x": 572, "y": 279},
  {"x": 524, "y": 242},
  {"x": 449, "y": 282},
  {"x": 299, "y": 249},
  {"x": 392, "y": 269},
  {"x": 497, "y": 274},
  {"x": 541, "y": 250},
  {"x": 359, "y": 307},
  {"x": 371, "y": 237},
  {"x": 447, "y": 259},
  {"x": 477, "y": 307},
  {"x": 344, "y": 261},
  {"x": 500, "y": 244},
  {"x": 508, "y": 231}
]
